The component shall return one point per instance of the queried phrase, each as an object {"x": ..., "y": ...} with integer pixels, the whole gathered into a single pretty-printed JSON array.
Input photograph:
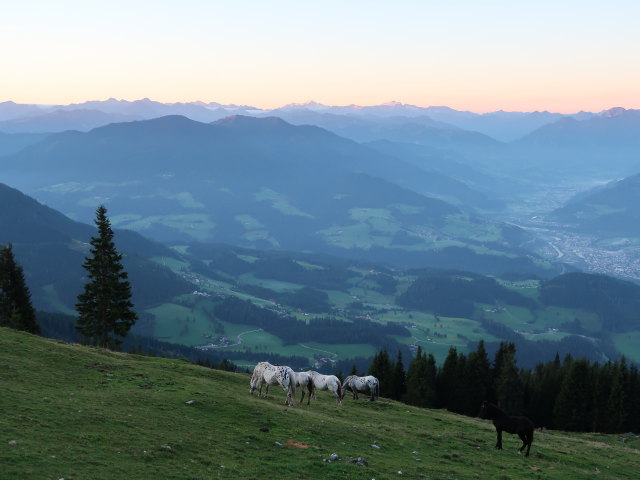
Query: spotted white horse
[
  {"x": 305, "y": 381},
  {"x": 355, "y": 385},
  {"x": 327, "y": 382},
  {"x": 281, "y": 375}
]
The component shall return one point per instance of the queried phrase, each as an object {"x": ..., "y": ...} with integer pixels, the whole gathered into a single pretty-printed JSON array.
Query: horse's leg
[
  {"x": 338, "y": 401},
  {"x": 525, "y": 441},
  {"x": 499, "y": 442},
  {"x": 302, "y": 397},
  {"x": 530, "y": 441},
  {"x": 312, "y": 391}
]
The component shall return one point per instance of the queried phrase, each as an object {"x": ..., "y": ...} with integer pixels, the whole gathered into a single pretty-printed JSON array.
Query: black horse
[{"x": 520, "y": 425}]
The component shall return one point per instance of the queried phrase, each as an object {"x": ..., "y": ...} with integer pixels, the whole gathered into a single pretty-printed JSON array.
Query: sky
[{"x": 562, "y": 55}]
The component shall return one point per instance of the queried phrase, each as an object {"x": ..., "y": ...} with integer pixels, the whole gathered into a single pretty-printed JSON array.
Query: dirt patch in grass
[{"x": 291, "y": 443}]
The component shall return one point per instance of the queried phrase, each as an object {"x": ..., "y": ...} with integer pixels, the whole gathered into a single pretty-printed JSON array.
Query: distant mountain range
[
  {"x": 500, "y": 125},
  {"x": 264, "y": 183},
  {"x": 20, "y": 118},
  {"x": 51, "y": 249},
  {"x": 603, "y": 146}
]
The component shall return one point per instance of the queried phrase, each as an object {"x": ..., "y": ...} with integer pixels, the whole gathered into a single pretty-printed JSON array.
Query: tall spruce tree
[
  {"x": 398, "y": 380},
  {"x": 508, "y": 385},
  {"x": 477, "y": 385},
  {"x": 574, "y": 404},
  {"x": 421, "y": 380},
  {"x": 105, "y": 311},
  {"x": 382, "y": 368},
  {"x": 16, "y": 310}
]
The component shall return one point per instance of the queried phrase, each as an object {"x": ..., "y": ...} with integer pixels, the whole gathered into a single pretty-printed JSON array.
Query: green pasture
[
  {"x": 279, "y": 202},
  {"x": 172, "y": 263},
  {"x": 358, "y": 235},
  {"x": 276, "y": 285},
  {"x": 340, "y": 299},
  {"x": 75, "y": 412},
  {"x": 197, "y": 225},
  {"x": 248, "y": 258},
  {"x": 463, "y": 227},
  {"x": 526, "y": 288},
  {"x": 249, "y": 223},
  {"x": 340, "y": 351},
  {"x": 515, "y": 317},
  {"x": 186, "y": 200},
  {"x": 627, "y": 343},
  {"x": 552, "y": 336}
]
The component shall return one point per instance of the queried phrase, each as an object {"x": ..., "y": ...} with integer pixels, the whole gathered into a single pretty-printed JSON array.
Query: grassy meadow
[{"x": 74, "y": 412}]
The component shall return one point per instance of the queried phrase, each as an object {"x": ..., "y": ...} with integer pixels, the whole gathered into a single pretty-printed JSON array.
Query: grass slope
[{"x": 73, "y": 412}]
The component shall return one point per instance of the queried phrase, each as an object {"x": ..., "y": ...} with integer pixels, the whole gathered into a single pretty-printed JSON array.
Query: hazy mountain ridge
[
  {"x": 177, "y": 179},
  {"x": 14, "y": 142},
  {"x": 501, "y": 125},
  {"x": 52, "y": 247},
  {"x": 612, "y": 210}
]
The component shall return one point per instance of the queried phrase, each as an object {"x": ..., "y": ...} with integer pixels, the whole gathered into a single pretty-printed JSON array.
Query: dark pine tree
[
  {"x": 508, "y": 385},
  {"x": 105, "y": 311},
  {"x": 632, "y": 399},
  {"x": 398, "y": 380},
  {"x": 574, "y": 405},
  {"x": 16, "y": 310},
  {"x": 615, "y": 403},
  {"x": 421, "y": 381},
  {"x": 415, "y": 380},
  {"x": 382, "y": 369},
  {"x": 447, "y": 380},
  {"x": 546, "y": 382},
  {"x": 478, "y": 382}
]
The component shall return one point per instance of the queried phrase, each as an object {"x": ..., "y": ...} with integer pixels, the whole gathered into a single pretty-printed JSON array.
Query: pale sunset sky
[{"x": 562, "y": 56}]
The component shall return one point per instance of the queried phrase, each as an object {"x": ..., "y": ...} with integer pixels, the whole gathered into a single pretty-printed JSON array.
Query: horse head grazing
[{"x": 257, "y": 378}]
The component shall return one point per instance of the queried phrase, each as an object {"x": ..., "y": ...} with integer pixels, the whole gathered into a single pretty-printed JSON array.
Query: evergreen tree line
[
  {"x": 572, "y": 394},
  {"x": 16, "y": 310}
]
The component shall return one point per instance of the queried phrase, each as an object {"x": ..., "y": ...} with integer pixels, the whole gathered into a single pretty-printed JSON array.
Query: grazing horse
[
  {"x": 355, "y": 384},
  {"x": 281, "y": 375},
  {"x": 327, "y": 382},
  {"x": 520, "y": 425},
  {"x": 305, "y": 381}
]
